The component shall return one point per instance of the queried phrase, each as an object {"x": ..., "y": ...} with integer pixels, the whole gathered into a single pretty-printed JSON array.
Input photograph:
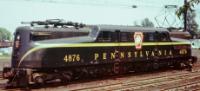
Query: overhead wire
[
  {"x": 102, "y": 3},
  {"x": 124, "y": 4}
]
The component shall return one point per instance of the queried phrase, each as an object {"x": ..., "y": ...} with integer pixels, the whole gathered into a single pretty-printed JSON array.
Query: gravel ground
[{"x": 196, "y": 52}]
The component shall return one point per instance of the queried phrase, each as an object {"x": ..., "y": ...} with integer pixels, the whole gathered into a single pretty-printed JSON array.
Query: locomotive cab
[{"x": 26, "y": 38}]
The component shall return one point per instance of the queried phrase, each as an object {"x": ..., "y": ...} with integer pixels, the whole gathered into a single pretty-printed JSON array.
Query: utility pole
[{"x": 185, "y": 15}]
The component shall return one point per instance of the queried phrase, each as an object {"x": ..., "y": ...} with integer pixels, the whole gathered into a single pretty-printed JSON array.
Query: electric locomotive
[{"x": 67, "y": 51}]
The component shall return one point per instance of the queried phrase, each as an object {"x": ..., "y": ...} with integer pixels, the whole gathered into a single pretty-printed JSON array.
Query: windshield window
[{"x": 37, "y": 36}]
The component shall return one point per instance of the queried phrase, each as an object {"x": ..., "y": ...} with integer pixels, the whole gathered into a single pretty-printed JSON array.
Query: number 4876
[{"x": 72, "y": 57}]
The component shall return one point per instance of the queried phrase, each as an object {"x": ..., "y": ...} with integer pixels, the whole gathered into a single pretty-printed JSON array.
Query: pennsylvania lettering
[{"x": 131, "y": 54}]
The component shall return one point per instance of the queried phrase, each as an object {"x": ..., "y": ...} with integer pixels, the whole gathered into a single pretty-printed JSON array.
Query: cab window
[
  {"x": 162, "y": 37},
  {"x": 104, "y": 36}
]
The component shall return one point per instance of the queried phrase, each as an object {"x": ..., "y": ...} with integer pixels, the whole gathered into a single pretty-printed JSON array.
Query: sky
[{"x": 115, "y": 12}]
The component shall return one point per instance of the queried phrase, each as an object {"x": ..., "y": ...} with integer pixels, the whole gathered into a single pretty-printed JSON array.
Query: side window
[
  {"x": 116, "y": 36},
  {"x": 104, "y": 36},
  {"x": 124, "y": 37},
  {"x": 164, "y": 37},
  {"x": 149, "y": 37}
]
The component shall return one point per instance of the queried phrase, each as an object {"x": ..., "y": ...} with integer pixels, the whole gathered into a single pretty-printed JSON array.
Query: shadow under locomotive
[{"x": 58, "y": 83}]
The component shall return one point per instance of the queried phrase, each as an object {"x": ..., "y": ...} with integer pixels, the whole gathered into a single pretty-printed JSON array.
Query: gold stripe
[
  {"x": 45, "y": 45},
  {"x": 107, "y": 44}
]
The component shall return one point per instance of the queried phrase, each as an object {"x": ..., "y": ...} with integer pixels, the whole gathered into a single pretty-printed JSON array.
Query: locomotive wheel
[
  {"x": 95, "y": 71},
  {"x": 19, "y": 80},
  {"x": 179, "y": 65},
  {"x": 39, "y": 80},
  {"x": 139, "y": 67},
  {"x": 148, "y": 67},
  {"x": 188, "y": 65},
  {"x": 155, "y": 65},
  {"x": 7, "y": 73},
  {"x": 92, "y": 72},
  {"x": 11, "y": 83},
  {"x": 66, "y": 77},
  {"x": 79, "y": 73}
]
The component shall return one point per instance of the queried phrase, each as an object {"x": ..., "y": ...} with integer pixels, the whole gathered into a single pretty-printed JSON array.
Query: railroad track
[
  {"x": 145, "y": 83},
  {"x": 178, "y": 83},
  {"x": 191, "y": 86}
]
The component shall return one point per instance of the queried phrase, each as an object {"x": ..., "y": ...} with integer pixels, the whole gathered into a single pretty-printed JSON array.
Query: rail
[{"x": 141, "y": 84}]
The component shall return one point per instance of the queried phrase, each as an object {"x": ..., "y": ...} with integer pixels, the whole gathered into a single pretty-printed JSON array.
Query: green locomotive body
[{"x": 43, "y": 54}]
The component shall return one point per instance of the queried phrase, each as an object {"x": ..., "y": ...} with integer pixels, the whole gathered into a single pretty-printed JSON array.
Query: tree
[
  {"x": 187, "y": 11},
  {"x": 136, "y": 24},
  {"x": 4, "y": 34},
  {"x": 147, "y": 23},
  {"x": 187, "y": 7},
  {"x": 192, "y": 25}
]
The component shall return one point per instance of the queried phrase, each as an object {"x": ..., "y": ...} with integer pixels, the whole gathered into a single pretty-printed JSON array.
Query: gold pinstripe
[{"x": 45, "y": 45}]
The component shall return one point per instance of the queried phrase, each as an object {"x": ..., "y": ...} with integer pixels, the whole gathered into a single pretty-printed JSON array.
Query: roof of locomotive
[
  {"x": 72, "y": 29},
  {"x": 128, "y": 28},
  {"x": 89, "y": 28}
]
